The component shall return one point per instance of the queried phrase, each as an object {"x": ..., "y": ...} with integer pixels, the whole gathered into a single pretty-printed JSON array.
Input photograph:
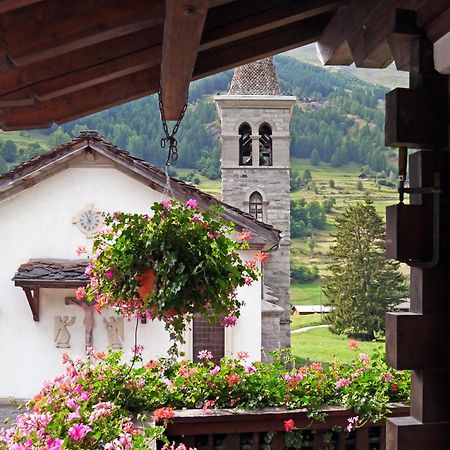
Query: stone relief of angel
[
  {"x": 62, "y": 335},
  {"x": 114, "y": 328}
]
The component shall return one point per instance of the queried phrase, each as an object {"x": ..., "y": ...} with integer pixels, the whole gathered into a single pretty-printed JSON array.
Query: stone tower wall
[{"x": 273, "y": 182}]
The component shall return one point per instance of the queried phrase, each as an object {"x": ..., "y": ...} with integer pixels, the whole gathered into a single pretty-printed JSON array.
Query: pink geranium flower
[
  {"x": 80, "y": 293},
  {"x": 342, "y": 383},
  {"x": 80, "y": 250},
  {"x": 78, "y": 430},
  {"x": 54, "y": 444},
  {"x": 229, "y": 321},
  {"x": 242, "y": 355},
  {"x": 215, "y": 371},
  {"x": 109, "y": 274},
  {"x": 191, "y": 203},
  {"x": 364, "y": 358},
  {"x": 204, "y": 354},
  {"x": 352, "y": 422}
]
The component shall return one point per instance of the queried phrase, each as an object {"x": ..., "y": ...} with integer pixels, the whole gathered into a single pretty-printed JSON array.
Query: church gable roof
[
  {"x": 256, "y": 78},
  {"x": 91, "y": 143}
]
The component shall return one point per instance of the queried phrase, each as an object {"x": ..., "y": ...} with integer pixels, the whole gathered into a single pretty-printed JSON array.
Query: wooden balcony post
[{"x": 411, "y": 338}]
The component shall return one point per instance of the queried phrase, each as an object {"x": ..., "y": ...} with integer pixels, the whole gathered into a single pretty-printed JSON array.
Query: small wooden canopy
[{"x": 62, "y": 60}]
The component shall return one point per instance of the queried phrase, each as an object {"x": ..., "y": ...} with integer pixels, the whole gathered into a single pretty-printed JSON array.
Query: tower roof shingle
[{"x": 256, "y": 78}]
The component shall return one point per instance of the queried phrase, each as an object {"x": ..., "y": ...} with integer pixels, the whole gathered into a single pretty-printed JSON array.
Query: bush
[
  {"x": 302, "y": 273},
  {"x": 383, "y": 182},
  {"x": 315, "y": 157},
  {"x": 9, "y": 151},
  {"x": 359, "y": 185}
]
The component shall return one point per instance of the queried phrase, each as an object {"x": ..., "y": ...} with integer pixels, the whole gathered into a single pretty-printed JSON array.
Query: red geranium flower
[
  {"x": 163, "y": 414},
  {"x": 289, "y": 425}
]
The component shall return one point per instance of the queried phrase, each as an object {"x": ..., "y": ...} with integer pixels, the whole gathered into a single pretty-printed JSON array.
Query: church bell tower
[{"x": 255, "y": 167}]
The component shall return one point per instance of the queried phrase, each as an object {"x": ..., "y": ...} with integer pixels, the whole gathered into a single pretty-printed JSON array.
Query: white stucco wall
[{"x": 37, "y": 223}]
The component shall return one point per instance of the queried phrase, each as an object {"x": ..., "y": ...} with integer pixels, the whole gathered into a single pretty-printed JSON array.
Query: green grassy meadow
[
  {"x": 320, "y": 345},
  {"x": 210, "y": 186},
  {"x": 307, "y": 320},
  {"x": 24, "y": 138},
  {"x": 307, "y": 294}
]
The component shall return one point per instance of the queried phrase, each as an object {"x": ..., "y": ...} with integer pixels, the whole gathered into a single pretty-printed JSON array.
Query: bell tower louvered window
[
  {"x": 265, "y": 145},
  {"x": 255, "y": 205},
  {"x": 245, "y": 145}
]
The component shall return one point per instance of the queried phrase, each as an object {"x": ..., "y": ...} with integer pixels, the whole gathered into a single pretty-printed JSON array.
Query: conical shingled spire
[{"x": 257, "y": 78}]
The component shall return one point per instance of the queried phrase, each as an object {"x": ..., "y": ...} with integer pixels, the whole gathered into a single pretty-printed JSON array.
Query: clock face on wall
[{"x": 89, "y": 220}]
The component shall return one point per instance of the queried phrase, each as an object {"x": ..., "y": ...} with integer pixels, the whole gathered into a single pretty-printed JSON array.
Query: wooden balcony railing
[{"x": 264, "y": 430}]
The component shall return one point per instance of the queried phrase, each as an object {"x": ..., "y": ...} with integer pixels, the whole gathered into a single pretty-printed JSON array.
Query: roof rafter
[
  {"x": 367, "y": 44},
  {"x": 83, "y": 78},
  {"x": 228, "y": 22},
  {"x": 82, "y": 103},
  {"x": 259, "y": 46},
  {"x": 183, "y": 28},
  {"x": 18, "y": 77},
  {"x": 72, "y": 25}
]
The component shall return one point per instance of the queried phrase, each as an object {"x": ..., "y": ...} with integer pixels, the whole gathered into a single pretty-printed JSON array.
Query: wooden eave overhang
[{"x": 63, "y": 60}]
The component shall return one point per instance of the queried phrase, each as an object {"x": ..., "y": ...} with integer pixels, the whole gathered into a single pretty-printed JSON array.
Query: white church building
[{"x": 52, "y": 204}]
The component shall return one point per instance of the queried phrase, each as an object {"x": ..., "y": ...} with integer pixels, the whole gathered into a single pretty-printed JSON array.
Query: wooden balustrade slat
[
  {"x": 341, "y": 441},
  {"x": 255, "y": 443},
  {"x": 233, "y": 441},
  {"x": 210, "y": 442},
  {"x": 319, "y": 441},
  {"x": 278, "y": 441},
  {"x": 383, "y": 438},
  {"x": 362, "y": 438},
  {"x": 189, "y": 441}
]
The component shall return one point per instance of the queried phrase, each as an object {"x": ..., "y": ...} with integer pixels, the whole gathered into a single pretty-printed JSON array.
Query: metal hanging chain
[{"x": 170, "y": 141}]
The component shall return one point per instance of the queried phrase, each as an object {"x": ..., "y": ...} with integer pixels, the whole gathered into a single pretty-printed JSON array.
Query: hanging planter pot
[
  {"x": 146, "y": 283},
  {"x": 195, "y": 266}
]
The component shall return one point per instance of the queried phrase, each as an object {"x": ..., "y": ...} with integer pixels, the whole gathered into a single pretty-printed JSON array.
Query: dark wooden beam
[
  {"x": 84, "y": 78},
  {"x": 403, "y": 32},
  {"x": 183, "y": 28},
  {"x": 11, "y": 5},
  {"x": 434, "y": 17},
  {"x": 262, "y": 45},
  {"x": 333, "y": 45},
  {"x": 369, "y": 41},
  {"x": 56, "y": 27},
  {"x": 359, "y": 33},
  {"x": 430, "y": 348},
  {"x": 84, "y": 102},
  {"x": 17, "y": 78},
  {"x": 230, "y": 22}
]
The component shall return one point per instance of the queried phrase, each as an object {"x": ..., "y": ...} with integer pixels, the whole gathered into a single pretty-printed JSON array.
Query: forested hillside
[{"x": 338, "y": 119}]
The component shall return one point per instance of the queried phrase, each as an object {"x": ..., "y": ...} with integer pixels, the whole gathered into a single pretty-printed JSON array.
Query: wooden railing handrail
[{"x": 186, "y": 422}]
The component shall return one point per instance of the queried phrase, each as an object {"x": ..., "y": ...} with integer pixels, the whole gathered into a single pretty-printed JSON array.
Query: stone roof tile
[
  {"x": 256, "y": 78},
  {"x": 52, "y": 270}
]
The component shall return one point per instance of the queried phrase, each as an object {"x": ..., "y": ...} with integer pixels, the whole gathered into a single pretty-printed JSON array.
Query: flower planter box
[{"x": 264, "y": 429}]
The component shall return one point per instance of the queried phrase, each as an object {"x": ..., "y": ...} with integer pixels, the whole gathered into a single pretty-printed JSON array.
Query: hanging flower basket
[{"x": 171, "y": 266}]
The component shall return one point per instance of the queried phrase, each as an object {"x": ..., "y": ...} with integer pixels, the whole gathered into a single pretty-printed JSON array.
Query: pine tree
[
  {"x": 362, "y": 283},
  {"x": 315, "y": 157}
]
